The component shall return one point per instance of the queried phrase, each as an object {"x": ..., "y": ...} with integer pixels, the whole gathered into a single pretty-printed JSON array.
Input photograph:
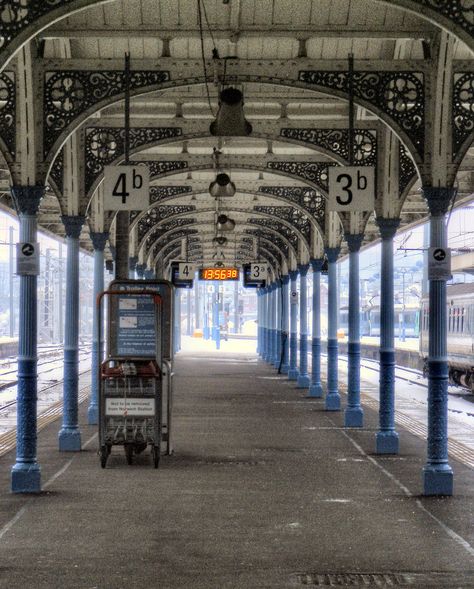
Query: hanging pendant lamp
[{"x": 230, "y": 120}]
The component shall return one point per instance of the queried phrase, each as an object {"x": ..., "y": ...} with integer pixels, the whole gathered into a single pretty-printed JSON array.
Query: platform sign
[
  {"x": 258, "y": 271},
  {"x": 186, "y": 271},
  {"x": 126, "y": 188},
  {"x": 351, "y": 188},
  {"x": 27, "y": 259},
  {"x": 439, "y": 263}
]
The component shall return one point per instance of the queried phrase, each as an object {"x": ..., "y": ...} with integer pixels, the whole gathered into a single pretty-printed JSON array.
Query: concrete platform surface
[{"x": 265, "y": 489}]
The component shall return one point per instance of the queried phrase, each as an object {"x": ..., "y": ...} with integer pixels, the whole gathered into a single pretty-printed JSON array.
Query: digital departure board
[{"x": 219, "y": 274}]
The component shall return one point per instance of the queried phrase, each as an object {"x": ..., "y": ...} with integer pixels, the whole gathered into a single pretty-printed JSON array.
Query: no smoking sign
[
  {"x": 439, "y": 263},
  {"x": 27, "y": 259}
]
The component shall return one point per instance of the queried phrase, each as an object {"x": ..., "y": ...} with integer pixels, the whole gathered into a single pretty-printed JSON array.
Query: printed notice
[
  {"x": 130, "y": 407},
  {"x": 128, "y": 303}
]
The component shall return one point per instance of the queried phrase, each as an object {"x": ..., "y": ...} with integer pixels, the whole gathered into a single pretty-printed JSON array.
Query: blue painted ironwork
[
  {"x": 387, "y": 441},
  {"x": 140, "y": 270},
  {"x": 336, "y": 141},
  {"x": 333, "y": 398},
  {"x": 271, "y": 323},
  {"x": 292, "y": 369},
  {"x": 316, "y": 389},
  {"x": 132, "y": 265},
  {"x": 266, "y": 350},
  {"x": 99, "y": 240},
  {"x": 278, "y": 323},
  {"x": 285, "y": 323},
  {"x": 303, "y": 376},
  {"x": 216, "y": 332},
  {"x": 69, "y": 435},
  {"x": 26, "y": 473},
  {"x": 259, "y": 321},
  {"x": 437, "y": 473},
  {"x": 315, "y": 172},
  {"x": 353, "y": 415},
  {"x": 463, "y": 109},
  {"x": 149, "y": 274},
  {"x": 400, "y": 95},
  {"x": 8, "y": 111},
  {"x": 274, "y": 354}
]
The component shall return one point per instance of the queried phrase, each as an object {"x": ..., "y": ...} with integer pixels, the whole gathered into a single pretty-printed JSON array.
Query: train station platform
[{"x": 265, "y": 489}]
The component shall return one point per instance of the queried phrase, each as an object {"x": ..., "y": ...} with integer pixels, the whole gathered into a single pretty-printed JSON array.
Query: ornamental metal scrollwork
[
  {"x": 315, "y": 172},
  {"x": 158, "y": 168},
  {"x": 159, "y": 193},
  {"x": 8, "y": 111},
  {"x": 271, "y": 238},
  {"x": 278, "y": 227},
  {"x": 289, "y": 214},
  {"x": 307, "y": 198},
  {"x": 399, "y": 95},
  {"x": 336, "y": 141},
  {"x": 57, "y": 172},
  {"x": 407, "y": 169},
  {"x": 460, "y": 12},
  {"x": 463, "y": 109},
  {"x": 165, "y": 228},
  {"x": 158, "y": 214},
  {"x": 179, "y": 234},
  {"x": 68, "y": 94}
]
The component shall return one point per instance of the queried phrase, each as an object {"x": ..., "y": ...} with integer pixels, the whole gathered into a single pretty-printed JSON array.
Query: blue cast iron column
[
  {"x": 216, "y": 332},
  {"x": 132, "y": 265},
  {"x": 177, "y": 322},
  {"x": 259, "y": 320},
  {"x": 148, "y": 274},
  {"x": 278, "y": 292},
  {"x": 140, "y": 270},
  {"x": 293, "y": 371},
  {"x": 303, "y": 376},
  {"x": 353, "y": 415},
  {"x": 98, "y": 241},
  {"x": 315, "y": 389},
  {"x": 265, "y": 322},
  {"x": 333, "y": 398},
  {"x": 437, "y": 473},
  {"x": 26, "y": 473},
  {"x": 69, "y": 435},
  {"x": 268, "y": 347},
  {"x": 386, "y": 441},
  {"x": 271, "y": 356},
  {"x": 285, "y": 313}
]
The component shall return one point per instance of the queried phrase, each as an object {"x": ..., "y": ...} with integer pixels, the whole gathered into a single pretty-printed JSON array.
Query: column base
[
  {"x": 26, "y": 478},
  {"x": 292, "y": 374},
  {"x": 354, "y": 417},
  {"x": 303, "y": 381},
  {"x": 315, "y": 391},
  {"x": 437, "y": 481},
  {"x": 333, "y": 402},
  {"x": 387, "y": 443},
  {"x": 93, "y": 415},
  {"x": 69, "y": 440}
]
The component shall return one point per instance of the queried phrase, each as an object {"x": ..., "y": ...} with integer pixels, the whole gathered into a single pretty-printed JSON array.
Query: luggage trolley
[{"x": 130, "y": 379}]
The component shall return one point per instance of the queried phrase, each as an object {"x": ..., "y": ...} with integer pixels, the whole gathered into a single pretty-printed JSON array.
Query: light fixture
[
  {"x": 224, "y": 223},
  {"x": 219, "y": 240},
  {"x": 230, "y": 120},
  {"x": 222, "y": 186}
]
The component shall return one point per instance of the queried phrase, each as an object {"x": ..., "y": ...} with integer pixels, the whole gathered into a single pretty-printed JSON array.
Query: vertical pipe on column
[
  {"x": 353, "y": 415},
  {"x": 98, "y": 241},
  {"x": 293, "y": 371},
  {"x": 437, "y": 473},
  {"x": 69, "y": 435},
  {"x": 26, "y": 473},
  {"x": 315, "y": 389},
  {"x": 333, "y": 398},
  {"x": 386, "y": 441},
  {"x": 303, "y": 376},
  {"x": 285, "y": 313}
]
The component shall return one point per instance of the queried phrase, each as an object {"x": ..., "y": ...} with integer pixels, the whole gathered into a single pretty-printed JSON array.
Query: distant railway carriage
[
  {"x": 405, "y": 319},
  {"x": 460, "y": 328}
]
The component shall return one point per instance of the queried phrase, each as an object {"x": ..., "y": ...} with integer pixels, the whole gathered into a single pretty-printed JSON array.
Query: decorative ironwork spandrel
[
  {"x": 463, "y": 109},
  {"x": 158, "y": 214},
  {"x": 272, "y": 238},
  {"x": 57, "y": 172},
  {"x": 165, "y": 228},
  {"x": 178, "y": 234},
  {"x": 278, "y": 227},
  {"x": 308, "y": 199},
  {"x": 336, "y": 141},
  {"x": 460, "y": 12},
  {"x": 68, "y": 94},
  {"x": 399, "y": 95},
  {"x": 407, "y": 169},
  {"x": 159, "y": 193},
  {"x": 315, "y": 172},
  {"x": 289, "y": 214},
  {"x": 8, "y": 111}
]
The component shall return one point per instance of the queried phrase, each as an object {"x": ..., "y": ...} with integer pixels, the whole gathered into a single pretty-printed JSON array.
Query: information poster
[{"x": 136, "y": 326}]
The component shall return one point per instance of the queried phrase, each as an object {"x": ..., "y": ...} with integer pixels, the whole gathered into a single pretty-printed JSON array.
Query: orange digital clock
[{"x": 219, "y": 274}]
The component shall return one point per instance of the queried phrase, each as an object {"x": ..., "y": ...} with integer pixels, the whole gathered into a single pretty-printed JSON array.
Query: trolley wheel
[
  {"x": 129, "y": 453},
  {"x": 155, "y": 452},
  {"x": 104, "y": 454}
]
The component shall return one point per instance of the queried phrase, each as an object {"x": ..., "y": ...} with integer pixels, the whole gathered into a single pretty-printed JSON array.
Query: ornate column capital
[
  {"x": 332, "y": 253},
  {"x": 303, "y": 269},
  {"x": 73, "y": 225},
  {"x": 149, "y": 274},
  {"x": 285, "y": 279},
  {"x": 354, "y": 241},
  {"x": 99, "y": 239},
  {"x": 140, "y": 268},
  {"x": 27, "y": 198},
  {"x": 387, "y": 227},
  {"x": 293, "y": 274},
  {"x": 438, "y": 199},
  {"x": 316, "y": 264}
]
